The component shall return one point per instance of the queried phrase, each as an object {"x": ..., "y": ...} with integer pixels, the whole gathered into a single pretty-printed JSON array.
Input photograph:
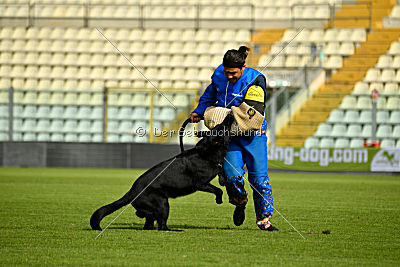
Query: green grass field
[{"x": 45, "y": 220}]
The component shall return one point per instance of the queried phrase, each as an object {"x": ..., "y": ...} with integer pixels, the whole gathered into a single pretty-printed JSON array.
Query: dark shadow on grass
[{"x": 174, "y": 227}]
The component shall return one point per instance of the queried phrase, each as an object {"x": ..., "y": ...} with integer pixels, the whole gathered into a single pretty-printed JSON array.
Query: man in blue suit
[{"x": 233, "y": 84}]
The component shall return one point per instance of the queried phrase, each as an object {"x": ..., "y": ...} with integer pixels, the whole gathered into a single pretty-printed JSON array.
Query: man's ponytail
[{"x": 236, "y": 58}]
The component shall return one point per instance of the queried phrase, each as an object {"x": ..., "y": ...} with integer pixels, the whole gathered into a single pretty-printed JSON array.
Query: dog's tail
[{"x": 102, "y": 212}]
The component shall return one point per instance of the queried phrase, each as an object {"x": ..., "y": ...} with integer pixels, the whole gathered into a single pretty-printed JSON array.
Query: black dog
[{"x": 184, "y": 174}]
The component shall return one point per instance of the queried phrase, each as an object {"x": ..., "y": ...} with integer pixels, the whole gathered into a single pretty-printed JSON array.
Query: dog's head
[{"x": 214, "y": 144}]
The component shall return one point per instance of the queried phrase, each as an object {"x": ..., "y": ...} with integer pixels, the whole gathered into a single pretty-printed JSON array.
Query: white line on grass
[
  {"x": 266, "y": 200},
  {"x": 135, "y": 198}
]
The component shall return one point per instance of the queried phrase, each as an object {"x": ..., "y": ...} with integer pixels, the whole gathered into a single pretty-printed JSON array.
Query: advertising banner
[{"x": 335, "y": 159}]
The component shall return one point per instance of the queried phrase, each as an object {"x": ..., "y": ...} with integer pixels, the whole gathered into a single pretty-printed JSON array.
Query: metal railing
[
  {"x": 149, "y": 132},
  {"x": 141, "y": 14}
]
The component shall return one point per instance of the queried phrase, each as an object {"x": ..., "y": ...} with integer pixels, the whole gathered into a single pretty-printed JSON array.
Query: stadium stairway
[
  {"x": 358, "y": 15},
  {"x": 317, "y": 108}
]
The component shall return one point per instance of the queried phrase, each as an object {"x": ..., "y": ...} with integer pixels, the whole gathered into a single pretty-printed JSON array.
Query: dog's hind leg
[
  {"x": 162, "y": 215},
  {"x": 149, "y": 224},
  {"x": 211, "y": 189}
]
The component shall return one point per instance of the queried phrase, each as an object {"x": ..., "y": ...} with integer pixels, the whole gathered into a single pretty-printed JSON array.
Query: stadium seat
[
  {"x": 43, "y": 126},
  {"x": 125, "y": 127},
  {"x": 338, "y": 130},
  {"x": 4, "y": 125},
  {"x": 29, "y": 137},
  {"x": 113, "y": 138},
  {"x": 70, "y": 112},
  {"x": 382, "y": 116},
  {"x": 394, "y": 48},
  {"x": 348, "y": 102},
  {"x": 384, "y": 61},
  {"x": 396, "y": 62},
  {"x": 384, "y": 131},
  {"x": 393, "y": 103},
  {"x": 365, "y": 117},
  {"x": 3, "y": 111},
  {"x": 342, "y": 143},
  {"x": 97, "y": 127},
  {"x": 366, "y": 131},
  {"x": 353, "y": 131},
  {"x": 70, "y": 137},
  {"x": 311, "y": 142},
  {"x": 351, "y": 116},
  {"x": 387, "y": 75},
  {"x": 43, "y": 137},
  {"x": 372, "y": 75},
  {"x": 28, "y": 125},
  {"x": 396, "y": 131},
  {"x": 387, "y": 143},
  {"x": 29, "y": 111},
  {"x": 394, "y": 117},
  {"x": 84, "y": 138},
  {"x": 356, "y": 143},
  {"x": 323, "y": 130},
  {"x": 84, "y": 126},
  {"x": 335, "y": 116},
  {"x": 70, "y": 126},
  {"x": 326, "y": 143},
  {"x": 363, "y": 103},
  {"x": 126, "y": 138},
  {"x": 391, "y": 89}
]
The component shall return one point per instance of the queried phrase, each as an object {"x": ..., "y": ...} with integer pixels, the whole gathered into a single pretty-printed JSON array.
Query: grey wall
[{"x": 85, "y": 155}]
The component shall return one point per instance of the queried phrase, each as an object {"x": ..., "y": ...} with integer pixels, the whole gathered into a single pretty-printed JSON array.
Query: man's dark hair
[{"x": 236, "y": 58}]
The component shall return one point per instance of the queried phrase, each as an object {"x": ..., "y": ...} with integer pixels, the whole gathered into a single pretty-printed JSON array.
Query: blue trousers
[{"x": 252, "y": 151}]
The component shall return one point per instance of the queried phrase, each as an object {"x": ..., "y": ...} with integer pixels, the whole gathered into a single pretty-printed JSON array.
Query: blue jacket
[{"x": 222, "y": 93}]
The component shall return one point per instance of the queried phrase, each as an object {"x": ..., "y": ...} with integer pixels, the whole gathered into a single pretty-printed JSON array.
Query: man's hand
[{"x": 194, "y": 117}]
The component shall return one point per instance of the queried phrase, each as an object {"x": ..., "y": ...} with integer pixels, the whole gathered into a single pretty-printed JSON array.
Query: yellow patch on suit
[{"x": 255, "y": 93}]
